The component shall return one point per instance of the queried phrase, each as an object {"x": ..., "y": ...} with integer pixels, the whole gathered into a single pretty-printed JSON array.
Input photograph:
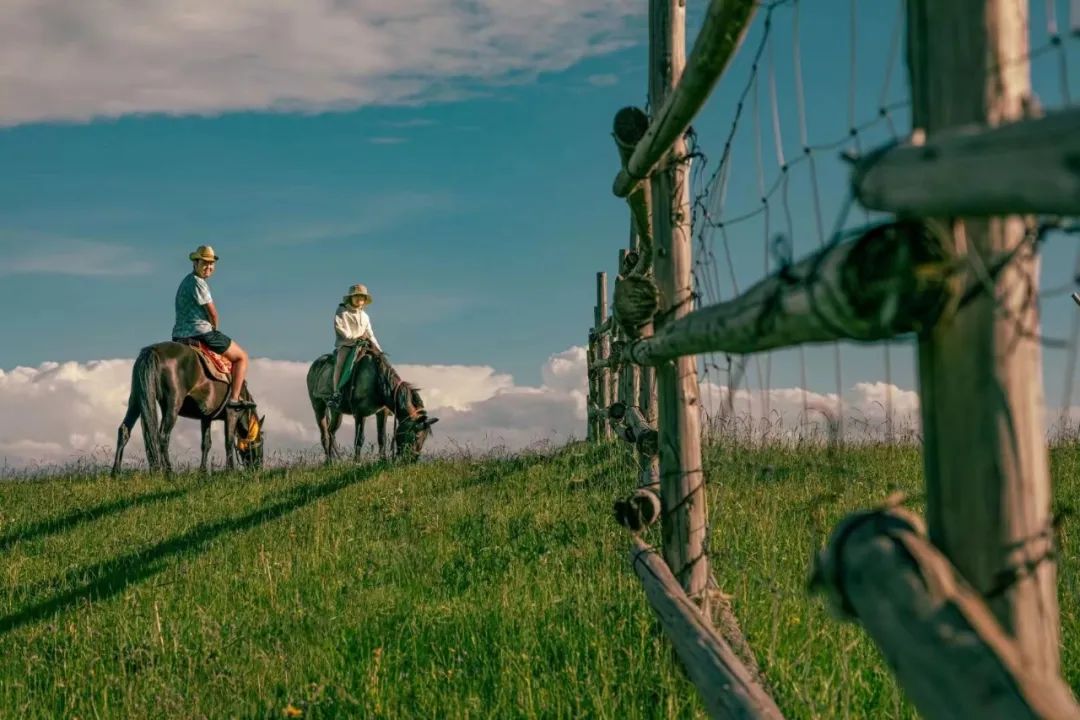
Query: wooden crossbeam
[
  {"x": 728, "y": 689},
  {"x": 890, "y": 281},
  {"x": 1028, "y": 166},
  {"x": 725, "y": 25}
]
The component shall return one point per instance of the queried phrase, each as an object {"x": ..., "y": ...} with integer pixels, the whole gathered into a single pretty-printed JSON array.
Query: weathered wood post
[
  {"x": 603, "y": 353},
  {"x": 625, "y": 371},
  {"x": 980, "y": 370},
  {"x": 591, "y": 404},
  {"x": 682, "y": 486}
]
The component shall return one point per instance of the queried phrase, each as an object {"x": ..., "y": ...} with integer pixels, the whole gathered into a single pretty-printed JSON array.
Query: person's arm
[
  {"x": 371, "y": 333},
  {"x": 211, "y": 313},
  {"x": 203, "y": 297}
]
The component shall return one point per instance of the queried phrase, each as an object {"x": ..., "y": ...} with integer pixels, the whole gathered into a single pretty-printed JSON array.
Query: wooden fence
[{"x": 963, "y": 606}]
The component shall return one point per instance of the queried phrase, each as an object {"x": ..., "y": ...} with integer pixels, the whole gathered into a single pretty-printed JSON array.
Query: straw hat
[
  {"x": 358, "y": 290},
  {"x": 204, "y": 253}
]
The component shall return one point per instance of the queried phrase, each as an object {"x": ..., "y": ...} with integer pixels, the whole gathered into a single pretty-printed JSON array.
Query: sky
[{"x": 454, "y": 157}]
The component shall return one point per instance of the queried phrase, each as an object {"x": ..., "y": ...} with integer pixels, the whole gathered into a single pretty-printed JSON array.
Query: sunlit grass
[{"x": 465, "y": 588}]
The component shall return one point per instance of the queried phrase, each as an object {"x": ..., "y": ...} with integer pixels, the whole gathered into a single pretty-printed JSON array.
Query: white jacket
[{"x": 352, "y": 324}]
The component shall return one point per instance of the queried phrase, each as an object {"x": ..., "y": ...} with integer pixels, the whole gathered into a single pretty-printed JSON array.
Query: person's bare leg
[{"x": 239, "y": 358}]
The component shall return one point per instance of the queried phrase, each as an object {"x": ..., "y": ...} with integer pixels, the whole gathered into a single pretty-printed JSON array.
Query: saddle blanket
[{"x": 217, "y": 366}]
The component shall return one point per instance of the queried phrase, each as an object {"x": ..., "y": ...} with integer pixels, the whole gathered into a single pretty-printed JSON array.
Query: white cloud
[
  {"x": 71, "y": 256},
  {"x": 58, "y": 413},
  {"x": 79, "y": 60}
]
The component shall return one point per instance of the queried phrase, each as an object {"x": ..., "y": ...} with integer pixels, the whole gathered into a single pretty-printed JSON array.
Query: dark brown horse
[
  {"x": 374, "y": 389},
  {"x": 169, "y": 376}
]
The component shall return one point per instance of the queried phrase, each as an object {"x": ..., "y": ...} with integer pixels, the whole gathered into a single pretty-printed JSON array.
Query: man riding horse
[
  {"x": 197, "y": 320},
  {"x": 182, "y": 379}
]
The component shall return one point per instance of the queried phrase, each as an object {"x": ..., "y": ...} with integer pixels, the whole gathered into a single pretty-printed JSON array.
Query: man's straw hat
[
  {"x": 205, "y": 253},
  {"x": 358, "y": 290}
]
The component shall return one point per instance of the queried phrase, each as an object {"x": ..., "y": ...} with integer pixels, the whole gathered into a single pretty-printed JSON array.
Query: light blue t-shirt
[{"x": 191, "y": 317}]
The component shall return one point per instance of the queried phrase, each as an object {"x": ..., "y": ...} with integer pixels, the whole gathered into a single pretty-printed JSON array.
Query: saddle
[{"x": 216, "y": 365}]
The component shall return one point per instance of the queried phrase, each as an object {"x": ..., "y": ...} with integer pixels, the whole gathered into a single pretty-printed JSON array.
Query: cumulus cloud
[
  {"x": 58, "y": 413},
  {"x": 863, "y": 412},
  {"x": 78, "y": 60}
]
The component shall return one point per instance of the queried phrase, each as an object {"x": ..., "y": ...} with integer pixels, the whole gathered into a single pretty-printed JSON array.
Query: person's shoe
[{"x": 240, "y": 405}]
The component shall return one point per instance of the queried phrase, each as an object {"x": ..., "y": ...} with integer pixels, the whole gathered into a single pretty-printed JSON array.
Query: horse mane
[{"x": 390, "y": 382}]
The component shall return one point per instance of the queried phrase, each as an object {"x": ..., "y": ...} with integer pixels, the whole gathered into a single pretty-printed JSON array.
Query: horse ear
[
  {"x": 262, "y": 421},
  {"x": 430, "y": 421}
]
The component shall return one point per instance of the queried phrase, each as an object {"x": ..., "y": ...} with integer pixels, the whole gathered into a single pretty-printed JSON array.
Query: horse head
[
  {"x": 249, "y": 439},
  {"x": 413, "y": 425}
]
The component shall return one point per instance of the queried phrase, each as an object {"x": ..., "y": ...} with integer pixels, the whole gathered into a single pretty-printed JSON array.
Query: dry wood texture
[
  {"x": 727, "y": 687},
  {"x": 682, "y": 484},
  {"x": 980, "y": 367},
  {"x": 951, "y": 656},
  {"x": 725, "y": 24},
  {"x": 889, "y": 281},
  {"x": 603, "y": 379},
  {"x": 1030, "y": 166},
  {"x": 630, "y": 126}
]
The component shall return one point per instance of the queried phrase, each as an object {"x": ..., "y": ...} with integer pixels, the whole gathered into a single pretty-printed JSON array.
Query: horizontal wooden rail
[
  {"x": 728, "y": 689},
  {"x": 1029, "y": 166},
  {"x": 946, "y": 648},
  {"x": 723, "y": 29},
  {"x": 891, "y": 280}
]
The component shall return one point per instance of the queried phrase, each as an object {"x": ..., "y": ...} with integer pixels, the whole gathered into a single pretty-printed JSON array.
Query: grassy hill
[{"x": 463, "y": 589}]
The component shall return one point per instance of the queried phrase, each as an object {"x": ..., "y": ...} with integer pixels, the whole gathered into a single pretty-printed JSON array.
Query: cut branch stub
[
  {"x": 949, "y": 653},
  {"x": 629, "y": 127},
  {"x": 636, "y": 430},
  {"x": 894, "y": 279},
  {"x": 638, "y": 511},
  {"x": 636, "y": 302}
]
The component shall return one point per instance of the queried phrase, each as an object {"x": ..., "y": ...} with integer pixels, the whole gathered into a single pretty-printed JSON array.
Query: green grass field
[{"x": 462, "y": 589}]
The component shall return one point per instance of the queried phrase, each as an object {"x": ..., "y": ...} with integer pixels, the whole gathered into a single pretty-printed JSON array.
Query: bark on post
[
  {"x": 590, "y": 360},
  {"x": 681, "y": 479},
  {"x": 980, "y": 370},
  {"x": 949, "y": 653},
  {"x": 603, "y": 353}
]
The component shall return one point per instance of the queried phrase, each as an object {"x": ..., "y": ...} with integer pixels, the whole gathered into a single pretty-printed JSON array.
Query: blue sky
[{"x": 478, "y": 213}]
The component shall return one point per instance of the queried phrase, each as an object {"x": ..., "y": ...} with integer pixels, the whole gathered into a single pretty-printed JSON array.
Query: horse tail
[{"x": 144, "y": 386}]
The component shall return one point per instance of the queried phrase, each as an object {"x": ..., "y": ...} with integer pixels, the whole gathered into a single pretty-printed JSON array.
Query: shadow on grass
[
  {"x": 114, "y": 576},
  {"x": 78, "y": 517}
]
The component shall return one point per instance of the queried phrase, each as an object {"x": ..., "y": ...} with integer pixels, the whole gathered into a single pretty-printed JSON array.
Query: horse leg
[
  {"x": 358, "y": 439},
  {"x": 231, "y": 418},
  {"x": 170, "y": 411},
  {"x": 380, "y": 433},
  {"x": 123, "y": 434},
  {"x": 335, "y": 423},
  {"x": 324, "y": 432},
  {"x": 206, "y": 440}
]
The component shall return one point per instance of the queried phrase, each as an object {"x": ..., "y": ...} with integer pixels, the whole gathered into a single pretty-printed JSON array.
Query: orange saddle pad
[{"x": 217, "y": 365}]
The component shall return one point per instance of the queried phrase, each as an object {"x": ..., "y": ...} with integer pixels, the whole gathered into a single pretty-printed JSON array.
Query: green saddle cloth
[{"x": 350, "y": 362}]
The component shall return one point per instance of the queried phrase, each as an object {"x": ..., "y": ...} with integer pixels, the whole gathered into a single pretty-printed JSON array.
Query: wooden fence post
[
  {"x": 681, "y": 479},
  {"x": 603, "y": 353},
  {"x": 980, "y": 370}
]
